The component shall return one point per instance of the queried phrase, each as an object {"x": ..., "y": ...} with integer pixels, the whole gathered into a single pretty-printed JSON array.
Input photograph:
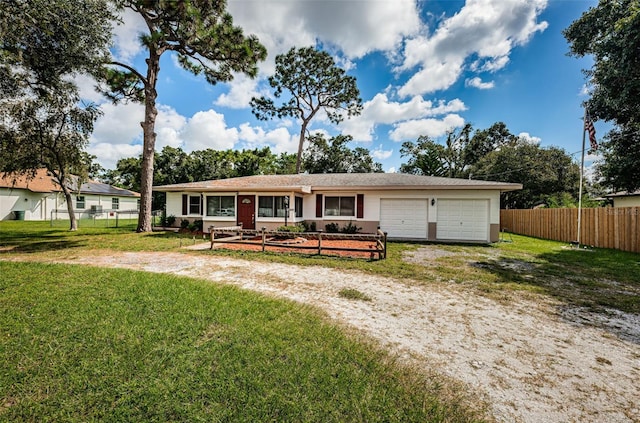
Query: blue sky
[{"x": 422, "y": 67}]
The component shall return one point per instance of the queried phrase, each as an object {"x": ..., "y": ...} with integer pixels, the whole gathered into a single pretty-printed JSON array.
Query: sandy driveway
[{"x": 531, "y": 362}]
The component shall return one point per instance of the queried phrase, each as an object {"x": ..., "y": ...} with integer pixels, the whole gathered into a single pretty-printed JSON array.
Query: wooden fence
[
  {"x": 608, "y": 227},
  {"x": 264, "y": 238}
]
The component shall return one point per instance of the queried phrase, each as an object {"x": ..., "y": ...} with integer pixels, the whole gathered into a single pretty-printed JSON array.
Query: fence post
[
  {"x": 319, "y": 241},
  {"x": 212, "y": 235},
  {"x": 264, "y": 237}
]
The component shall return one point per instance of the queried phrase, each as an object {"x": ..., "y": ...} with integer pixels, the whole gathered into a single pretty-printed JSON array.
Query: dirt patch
[
  {"x": 533, "y": 364},
  {"x": 299, "y": 245}
]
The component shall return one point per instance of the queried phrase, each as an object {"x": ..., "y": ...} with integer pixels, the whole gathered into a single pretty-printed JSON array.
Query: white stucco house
[
  {"x": 625, "y": 199},
  {"x": 405, "y": 206},
  {"x": 37, "y": 198}
]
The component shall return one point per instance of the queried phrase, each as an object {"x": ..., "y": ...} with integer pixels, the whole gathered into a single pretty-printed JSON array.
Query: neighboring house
[
  {"x": 406, "y": 206},
  {"x": 39, "y": 198},
  {"x": 625, "y": 199}
]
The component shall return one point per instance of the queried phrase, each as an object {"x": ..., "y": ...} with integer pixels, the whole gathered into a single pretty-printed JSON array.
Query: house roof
[
  {"x": 45, "y": 183},
  {"x": 623, "y": 194},
  {"x": 307, "y": 183}
]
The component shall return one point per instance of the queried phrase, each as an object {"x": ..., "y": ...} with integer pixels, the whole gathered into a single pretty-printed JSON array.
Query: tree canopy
[
  {"x": 202, "y": 35},
  {"x": 335, "y": 156},
  {"x": 314, "y": 82},
  {"x": 610, "y": 33},
  {"x": 43, "y": 45},
  {"x": 175, "y": 166},
  {"x": 548, "y": 175}
]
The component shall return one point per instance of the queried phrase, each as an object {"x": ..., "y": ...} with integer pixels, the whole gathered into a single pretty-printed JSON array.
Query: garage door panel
[
  {"x": 404, "y": 218},
  {"x": 465, "y": 220}
]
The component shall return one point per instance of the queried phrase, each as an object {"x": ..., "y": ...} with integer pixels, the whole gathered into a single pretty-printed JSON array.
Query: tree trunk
[
  {"x": 149, "y": 142},
  {"x": 73, "y": 223},
  {"x": 303, "y": 129}
]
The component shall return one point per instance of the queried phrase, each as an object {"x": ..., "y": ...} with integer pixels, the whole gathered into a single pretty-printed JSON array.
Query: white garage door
[
  {"x": 404, "y": 218},
  {"x": 463, "y": 220}
]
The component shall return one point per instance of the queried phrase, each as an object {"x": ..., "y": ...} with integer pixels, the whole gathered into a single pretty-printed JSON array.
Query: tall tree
[
  {"x": 610, "y": 32},
  {"x": 202, "y": 35},
  {"x": 428, "y": 157},
  {"x": 313, "y": 82},
  {"x": 50, "y": 133},
  {"x": 43, "y": 45},
  {"x": 546, "y": 174},
  {"x": 335, "y": 156}
]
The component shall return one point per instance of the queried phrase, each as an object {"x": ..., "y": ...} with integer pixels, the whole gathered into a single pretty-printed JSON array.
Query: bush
[
  {"x": 184, "y": 223},
  {"x": 291, "y": 228},
  {"x": 169, "y": 220},
  {"x": 196, "y": 226},
  {"x": 332, "y": 228},
  {"x": 350, "y": 228}
]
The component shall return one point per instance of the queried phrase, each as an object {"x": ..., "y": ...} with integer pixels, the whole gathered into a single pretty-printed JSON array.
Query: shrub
[
  {"x": 351, "y": 228},
  {"x": 169, "y": 220},
  {"x": 291, "y": 228},
  {"x": 196, "y": 226},
  {"x": 332, "y": 228},
  {"x": 184, "y": 223}
]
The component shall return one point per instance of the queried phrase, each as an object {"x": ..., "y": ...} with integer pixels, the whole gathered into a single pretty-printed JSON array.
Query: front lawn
[{"x": 88, "y": 344}]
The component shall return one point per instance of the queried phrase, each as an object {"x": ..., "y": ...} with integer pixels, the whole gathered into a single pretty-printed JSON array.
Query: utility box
[{"x": 95, "y": 210}]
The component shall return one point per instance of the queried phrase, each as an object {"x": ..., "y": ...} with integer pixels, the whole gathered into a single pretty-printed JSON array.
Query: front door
[{"x": 247, "y": 211}]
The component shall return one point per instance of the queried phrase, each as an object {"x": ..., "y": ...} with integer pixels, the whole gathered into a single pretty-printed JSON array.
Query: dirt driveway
[{"x": 530, "y": 362}]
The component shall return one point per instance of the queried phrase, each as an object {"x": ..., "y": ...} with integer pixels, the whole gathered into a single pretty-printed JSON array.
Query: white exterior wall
[
  {"x": 371, "y": 206},
  {"x": 36, "y": 206},
  {"x": 372, "y": 201},
  {"x": 631, "y": 201}
]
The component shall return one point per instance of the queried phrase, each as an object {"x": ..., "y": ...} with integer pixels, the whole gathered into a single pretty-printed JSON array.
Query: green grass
[
  {"x": 40, "y": 237},
  {"x": 598, "y": 279},
  {"x": 353, "y": 294},
  {"x": 89, "y": 344}
]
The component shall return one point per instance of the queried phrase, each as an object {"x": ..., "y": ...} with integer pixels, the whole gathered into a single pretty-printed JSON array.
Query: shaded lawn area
[{"x": 85, "y": 344}]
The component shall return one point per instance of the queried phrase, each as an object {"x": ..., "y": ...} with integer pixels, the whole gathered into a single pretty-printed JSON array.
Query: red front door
[{"x": 247, "y": 211}]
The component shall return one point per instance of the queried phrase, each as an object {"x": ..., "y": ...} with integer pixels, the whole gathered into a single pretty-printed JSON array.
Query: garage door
[
  {"x": 404, "y": 218},
  {"x": 463, "y": 220}
]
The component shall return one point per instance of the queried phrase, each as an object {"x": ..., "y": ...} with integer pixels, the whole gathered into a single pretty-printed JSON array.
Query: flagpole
[{"x": 581, "y": 176}]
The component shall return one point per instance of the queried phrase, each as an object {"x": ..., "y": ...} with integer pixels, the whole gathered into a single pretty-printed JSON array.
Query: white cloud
[
  {"x": 354, "y": 27},
  {"x": 381, "y": 154},
  {"x": 208, "y": 129},
  {"x": 484, "y": 29},
  {"x": 528, "y": 138},
  {"x": 169, "y": 124},
  {"x": 278, "y": 140},
  {"x": 119, "y": 124},
  {"x": 477, "y": 83},
  {"x": 242, "y": 89},
  {"x": 127, "y": 35},
  {"x": 412, "y": 129},
  {"x": 381, "y": 110}
]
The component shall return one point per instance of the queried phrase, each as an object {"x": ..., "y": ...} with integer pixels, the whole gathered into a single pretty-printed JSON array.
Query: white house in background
[
  {"x": 625, "y": 199},
  {"x": 405, "y": 206},
  {"x": 39, "y": 197}
]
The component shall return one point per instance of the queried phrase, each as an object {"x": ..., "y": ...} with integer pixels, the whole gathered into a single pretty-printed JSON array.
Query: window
[
  {"x": 80, "y": 202},
  {"x": 271, "y": 206},
  {"x": 115, "y": 203},
  {"x": 298, "y": 206},
  {"x": 339, "y": 206},
  {"x": 194, "y": 204},
  {"x": 221, "y": 205}
]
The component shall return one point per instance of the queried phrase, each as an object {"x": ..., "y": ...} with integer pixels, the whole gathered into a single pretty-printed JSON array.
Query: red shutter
[
  {"x": 318, "y": 205},
  {"x": 360, "y": 206},
  {"x": 185, "y": 204},
  {"x": 201, "y": 204}
]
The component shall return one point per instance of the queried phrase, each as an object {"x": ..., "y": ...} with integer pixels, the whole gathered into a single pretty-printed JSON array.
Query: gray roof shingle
[{"x": 337, "y": 181}]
